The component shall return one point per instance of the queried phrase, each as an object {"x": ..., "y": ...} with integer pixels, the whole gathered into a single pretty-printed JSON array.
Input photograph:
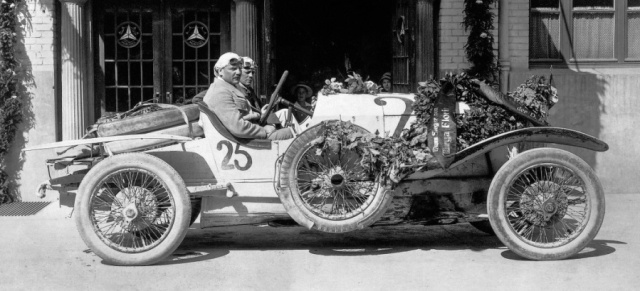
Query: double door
[{"x": 156, "y": 50}]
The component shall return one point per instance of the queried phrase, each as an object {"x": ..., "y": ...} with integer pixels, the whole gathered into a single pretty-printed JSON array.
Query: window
[{"x": 584, "y": 31}]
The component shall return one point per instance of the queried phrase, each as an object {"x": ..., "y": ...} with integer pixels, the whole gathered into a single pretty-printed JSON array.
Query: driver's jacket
[{"x": 230, "y": 105}]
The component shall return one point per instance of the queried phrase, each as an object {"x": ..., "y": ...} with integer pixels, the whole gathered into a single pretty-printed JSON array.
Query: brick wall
[
  {"x": 452, "y": 36},
  {"x": 38, "y": 35},
  {"x": 519, "y": 33},
  {"x": 35, "y": 51}
]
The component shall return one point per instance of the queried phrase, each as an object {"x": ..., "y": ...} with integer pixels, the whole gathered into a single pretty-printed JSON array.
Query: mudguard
[{"x": 556, "y": 135}]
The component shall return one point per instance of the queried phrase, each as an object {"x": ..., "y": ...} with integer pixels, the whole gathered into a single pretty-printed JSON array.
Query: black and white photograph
[{"x": 319, "y": 145}]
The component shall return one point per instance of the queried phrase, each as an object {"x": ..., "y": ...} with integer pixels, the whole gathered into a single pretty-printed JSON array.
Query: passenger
[
  {"x": 302, "y": 93},
  {"x": 385, "y": 83},
  {"x": 246, "y": 82},
  {"x": 231, "y": 106}
]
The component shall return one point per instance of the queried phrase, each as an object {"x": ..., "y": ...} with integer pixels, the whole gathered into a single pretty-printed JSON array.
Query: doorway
[
  {"x": 156, "y": 50},
  {"x": 317, "y": 39}
]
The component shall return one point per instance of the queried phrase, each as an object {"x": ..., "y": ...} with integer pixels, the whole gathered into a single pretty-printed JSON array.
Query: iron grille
[
  {"x": 192, "y": 67},
  {"x": 128, "y": 70},
  {"x": 22, "y": 208}
]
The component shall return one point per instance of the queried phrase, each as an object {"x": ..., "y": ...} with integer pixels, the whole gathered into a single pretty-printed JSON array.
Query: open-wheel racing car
[{"x": 137, "y": 194}]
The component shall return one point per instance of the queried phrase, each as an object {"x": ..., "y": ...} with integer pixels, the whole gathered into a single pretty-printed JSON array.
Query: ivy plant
[{"x": 10, "y": 104}]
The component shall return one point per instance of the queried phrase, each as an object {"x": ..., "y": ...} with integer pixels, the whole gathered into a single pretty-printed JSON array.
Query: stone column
[
  {"x": 246, "y": 32},
  {"x": 503, "y": 44},
  {"x": 74, "y": 69}
]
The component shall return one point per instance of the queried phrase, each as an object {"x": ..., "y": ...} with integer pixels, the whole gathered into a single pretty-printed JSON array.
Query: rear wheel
[
  {"x": 133, "y": 209},
  {"x": 329, "y": 190},
  {"x": 546, "y": 204}
]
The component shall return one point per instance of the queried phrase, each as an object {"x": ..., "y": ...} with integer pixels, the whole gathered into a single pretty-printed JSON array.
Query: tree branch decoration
[
  {"x": 478, "y": 20},
  {"x": 391, "y": 158},
  {"x": 10, "y": 104}
]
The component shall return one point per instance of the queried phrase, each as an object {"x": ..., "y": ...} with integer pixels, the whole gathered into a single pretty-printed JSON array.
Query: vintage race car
[{"x": 135, "y": 207}]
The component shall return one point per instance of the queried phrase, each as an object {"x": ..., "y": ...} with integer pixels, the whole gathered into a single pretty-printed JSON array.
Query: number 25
[{"x": 225, "y": 162}]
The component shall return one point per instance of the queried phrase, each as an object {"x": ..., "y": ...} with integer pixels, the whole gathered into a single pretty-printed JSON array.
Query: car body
[{"x": 230, "y": 181}]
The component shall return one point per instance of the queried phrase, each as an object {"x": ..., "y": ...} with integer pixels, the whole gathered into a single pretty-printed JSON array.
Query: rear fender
[{"x": 555, "y": 135}]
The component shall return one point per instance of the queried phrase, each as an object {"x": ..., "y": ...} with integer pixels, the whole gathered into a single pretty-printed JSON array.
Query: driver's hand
[
  {"x": 269, "y": 129},
  {"x": 264, "y": 109}
]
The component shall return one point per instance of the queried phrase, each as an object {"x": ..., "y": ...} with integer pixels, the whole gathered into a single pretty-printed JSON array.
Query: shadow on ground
[
  {"x": 595, "y": 248},
  {"x": 205, "y": 244}
]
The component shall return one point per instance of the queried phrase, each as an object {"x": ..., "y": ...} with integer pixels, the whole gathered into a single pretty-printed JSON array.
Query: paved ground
[{"x": 45, "y": 252}]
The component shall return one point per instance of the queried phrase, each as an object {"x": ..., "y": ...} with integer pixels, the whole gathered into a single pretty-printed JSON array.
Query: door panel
[
  {"x": 127, "y": 56},
  {"x": 403, "y": 46},
  {"x": 156, "y": 50},
  {"x": 195, "y": 46}
]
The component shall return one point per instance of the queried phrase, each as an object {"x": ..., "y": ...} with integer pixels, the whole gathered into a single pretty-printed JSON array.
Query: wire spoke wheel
[
  {"x": 324, "y": 187},
  {"x": 333, "y": 184},
  {"x": 547, "y": 205},
  {"x": 131, "y": 210}
]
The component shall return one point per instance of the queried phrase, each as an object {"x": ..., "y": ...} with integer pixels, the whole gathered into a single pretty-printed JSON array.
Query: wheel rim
[
  {"x": 547, "y": 205},
  {"x": 332, "y": 184},
  {"x": 132, "y": 210}
]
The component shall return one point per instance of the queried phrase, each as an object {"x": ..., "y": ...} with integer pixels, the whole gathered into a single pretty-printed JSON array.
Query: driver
[{"x": 231, "y": 105}]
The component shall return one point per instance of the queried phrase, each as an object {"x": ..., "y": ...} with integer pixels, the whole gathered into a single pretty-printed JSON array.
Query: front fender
[{"x": 556, "y": 135}]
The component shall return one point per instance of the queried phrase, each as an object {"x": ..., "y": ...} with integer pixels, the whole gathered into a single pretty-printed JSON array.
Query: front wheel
[
  {"x": 133, "y": 209},
  {"x": 546, "y": 204}
]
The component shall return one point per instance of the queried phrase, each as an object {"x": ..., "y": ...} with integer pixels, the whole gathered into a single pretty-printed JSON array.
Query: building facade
[{"x": 88, "y": 58}]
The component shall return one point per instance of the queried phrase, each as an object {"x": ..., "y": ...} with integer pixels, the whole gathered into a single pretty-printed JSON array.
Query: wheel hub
[
  {"x": 334, "y": 179},
  {"x": 544, "y": 207},
  {"x": 337, "y": 180},
  {"x": 130, "y": 212},
  {"x": 549, "y": 208},
  {"x": 138, "y": 204}
]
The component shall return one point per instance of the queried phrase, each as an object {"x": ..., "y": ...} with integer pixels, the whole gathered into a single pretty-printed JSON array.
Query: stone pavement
[{"x": 45, "y": 252}]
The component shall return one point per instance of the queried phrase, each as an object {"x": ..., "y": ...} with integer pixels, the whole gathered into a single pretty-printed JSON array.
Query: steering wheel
[{"x": 273, "y": 100}]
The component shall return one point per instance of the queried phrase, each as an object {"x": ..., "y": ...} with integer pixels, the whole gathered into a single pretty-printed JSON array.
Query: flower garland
[
  {"x": 393, "y": 158},
  {"x": 10, "y": 104},
  {"x": 478, "y": 20},
  {"x": 354, "y": 85}
]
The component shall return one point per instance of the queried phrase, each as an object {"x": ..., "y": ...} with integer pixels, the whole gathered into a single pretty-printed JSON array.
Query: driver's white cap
[{"x": 226, "y": 59}]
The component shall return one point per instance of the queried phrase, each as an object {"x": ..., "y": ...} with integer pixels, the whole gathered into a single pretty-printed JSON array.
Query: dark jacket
[{"x": 251, "y": 95}]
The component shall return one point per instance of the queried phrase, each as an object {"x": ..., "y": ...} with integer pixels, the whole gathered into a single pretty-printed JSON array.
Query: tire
[
  {"x": 364, "y": 199},
  {"x": 133, "y": 209},
  {"x": 484, "y": 226},
  {"x": 546, "y": 204}
]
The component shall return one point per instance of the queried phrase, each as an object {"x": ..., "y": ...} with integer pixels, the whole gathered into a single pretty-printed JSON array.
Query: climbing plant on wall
[
  {"x": 478, "y": 21},
  {"x": 10, "y": 104}
]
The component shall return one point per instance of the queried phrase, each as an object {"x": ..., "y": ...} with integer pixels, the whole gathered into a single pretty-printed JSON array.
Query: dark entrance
[
  {"x": 314, "y": 38},
  {"x": 162, "y": 50}
]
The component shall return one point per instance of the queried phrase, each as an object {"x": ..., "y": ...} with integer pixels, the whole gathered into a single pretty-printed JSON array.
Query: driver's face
[
  {"x": 231, "y": 74},
  {"x": 247, "y": 77}
]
